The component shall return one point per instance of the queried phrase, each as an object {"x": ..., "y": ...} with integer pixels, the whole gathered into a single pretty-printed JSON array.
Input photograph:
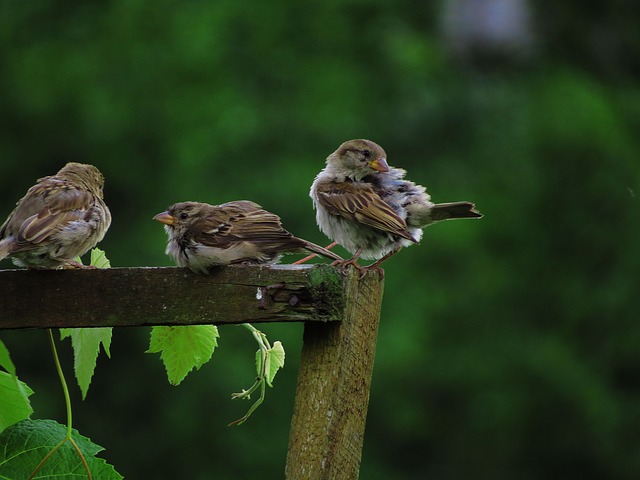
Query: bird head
[
  {"x": 180, "y": 216},
  {"x": 356, "y": 159},
  {"x": 84, "y": 175}
]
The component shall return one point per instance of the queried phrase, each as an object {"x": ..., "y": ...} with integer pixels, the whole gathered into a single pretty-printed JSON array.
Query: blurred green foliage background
[{"x": 508, "y": 348}]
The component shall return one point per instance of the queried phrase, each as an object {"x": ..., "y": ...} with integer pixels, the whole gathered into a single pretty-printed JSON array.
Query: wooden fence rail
[{"x": 341, "y": 315}]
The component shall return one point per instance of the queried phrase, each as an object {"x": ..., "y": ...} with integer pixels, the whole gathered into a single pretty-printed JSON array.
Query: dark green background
[{"x": 508, "y": 347}]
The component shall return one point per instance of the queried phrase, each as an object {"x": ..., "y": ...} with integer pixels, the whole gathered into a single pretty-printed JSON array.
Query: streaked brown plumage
[
  {"x": 369, "y": 208},
  {"x": 61, "y": 217},
  {"x": 202, "y": 236}
]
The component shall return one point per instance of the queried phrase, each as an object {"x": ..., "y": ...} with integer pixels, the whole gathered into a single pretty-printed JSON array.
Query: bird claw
[
  {"x": 343, "y": 264},
  {"x": 374, "y": 268},
  {"x": 72, "y": 264}
]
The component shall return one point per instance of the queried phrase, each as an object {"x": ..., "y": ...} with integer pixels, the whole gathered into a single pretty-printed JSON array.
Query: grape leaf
[
  {"x": 183, "y": 348},
  {"x": 274, "y": 361},
  {"x": 14, "y": 394},
  {"x": 86, "y": 341},
  {"x": 25, "y": 445},
  {"x": 86, "y": 347},
  {"x": 99, "y": 259},
  {"x": 14, "y": 400},
  {"x": 5, "y": 359}
]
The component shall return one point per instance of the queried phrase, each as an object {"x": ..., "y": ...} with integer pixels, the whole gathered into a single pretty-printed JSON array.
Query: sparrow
[
  {"x": 202, "y": 236},
  {"x": 60, "y": 218},
  {"x": 370, "y": 209}
]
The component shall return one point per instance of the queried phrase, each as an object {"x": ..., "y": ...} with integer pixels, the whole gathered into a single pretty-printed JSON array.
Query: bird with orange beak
[
  {"x": 202, "y": 236},
  {"x": 370, "y": 209}
]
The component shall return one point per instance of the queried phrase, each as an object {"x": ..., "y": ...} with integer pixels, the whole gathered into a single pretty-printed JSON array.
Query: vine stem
[
  {"x": 67, "y": 401},
  {"x": 63, "y": 382},
  {"x": 264, "y": 346},
  {"x": 260, "y": 337}
]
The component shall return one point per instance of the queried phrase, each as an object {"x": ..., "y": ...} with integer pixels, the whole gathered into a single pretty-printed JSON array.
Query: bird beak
[
  {"x": 165, "y": 218},
  {"x": 379, "y": 165}
]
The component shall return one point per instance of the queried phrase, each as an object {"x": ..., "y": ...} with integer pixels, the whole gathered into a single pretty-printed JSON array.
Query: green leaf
[
  {"x": 183, "y": 348},
  {"x": 86, "y": 341},
  {"x": 5, "y": 359},
  {"x": 86, "y": 347},
  {"x": 14, "y": 394},
  {"x": 14, "y": 400},
  {"x": 275, "y": 361},
  {"x": 99, "y": 259},
  {"x": 27, "y": 443}
]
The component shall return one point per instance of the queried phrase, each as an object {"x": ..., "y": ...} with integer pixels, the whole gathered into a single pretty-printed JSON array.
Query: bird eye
[
  {"x": 183, "y": 216},
  {"x": 366, "y": 153}
]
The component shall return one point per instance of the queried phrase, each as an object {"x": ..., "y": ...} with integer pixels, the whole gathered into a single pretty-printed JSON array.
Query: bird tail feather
[{"x": 448, "y": 211}]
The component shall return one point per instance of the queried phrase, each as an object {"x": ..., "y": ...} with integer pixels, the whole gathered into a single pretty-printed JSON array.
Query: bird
[
  {"x": 202, "y": 236},
  {"x": 60, "y": 218},
  {"x": 369, "y": 207}
]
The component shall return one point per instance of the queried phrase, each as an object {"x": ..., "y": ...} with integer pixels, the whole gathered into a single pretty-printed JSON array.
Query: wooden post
[
  {"x": 341, "y": 315},
  {"x": 334, "y": 380}
]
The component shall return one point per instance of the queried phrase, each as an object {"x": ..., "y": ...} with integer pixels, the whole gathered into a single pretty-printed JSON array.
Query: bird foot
[
  {"x": 343, "y": 264},
  {"x": 72, "y": 264},
  {"x": 374, "y": 268},
  {"x": 262, "y": 294}
]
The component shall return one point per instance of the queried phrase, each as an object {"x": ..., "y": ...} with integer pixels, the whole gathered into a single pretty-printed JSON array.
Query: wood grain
[
  {"x": 334, "y": 379},
  {"x": 119, "y": 297}
]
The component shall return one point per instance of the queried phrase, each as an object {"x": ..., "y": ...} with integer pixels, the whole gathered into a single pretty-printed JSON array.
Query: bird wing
[
  {"x": 360, "y": 203},
  {"x": 237, "y": 222},
  {"x": 46, "y": 208}
]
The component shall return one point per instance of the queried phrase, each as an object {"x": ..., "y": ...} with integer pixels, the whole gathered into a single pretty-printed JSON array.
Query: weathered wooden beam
[
  {"x": 336, "y": 365},
  {"x": 334, "y": 381},
  {"x": 119, "y": 297}
]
